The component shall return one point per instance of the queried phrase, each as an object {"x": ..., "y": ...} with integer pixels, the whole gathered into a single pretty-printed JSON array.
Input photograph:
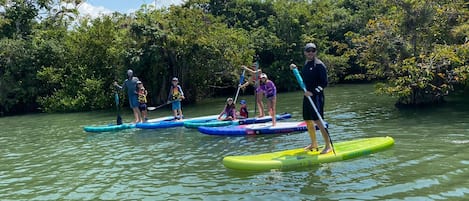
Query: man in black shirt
[{"x": 315, "y": 79}]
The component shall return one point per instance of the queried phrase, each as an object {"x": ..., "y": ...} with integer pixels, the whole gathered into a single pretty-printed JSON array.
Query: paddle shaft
[
  {"x": 154, "y": 108},
  {"x": 119, "y": 118},
  {"x": 302, "y": 85},
  {"x": 256, "y": 83},
  {"x": 241, "y": 80}
]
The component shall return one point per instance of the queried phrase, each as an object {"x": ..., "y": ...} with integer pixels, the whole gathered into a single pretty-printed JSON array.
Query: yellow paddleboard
[{"x": 296, "y": 158}]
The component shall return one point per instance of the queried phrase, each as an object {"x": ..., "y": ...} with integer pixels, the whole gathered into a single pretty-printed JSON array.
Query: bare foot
[
  {"x": 326, "y": 150},
  {"x": 311, "y": 148}
]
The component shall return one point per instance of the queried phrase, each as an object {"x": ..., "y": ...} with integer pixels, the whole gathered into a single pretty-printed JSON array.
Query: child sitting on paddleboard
[
  {"x": 229, "y": 112},
  {"x": 142, "y": 100},
  {"x": 175, "y": 97},
  {"x": 243, "y": 110}
]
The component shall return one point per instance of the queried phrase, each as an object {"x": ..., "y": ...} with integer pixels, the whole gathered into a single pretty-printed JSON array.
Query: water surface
[{"x": 50, "y": 157}]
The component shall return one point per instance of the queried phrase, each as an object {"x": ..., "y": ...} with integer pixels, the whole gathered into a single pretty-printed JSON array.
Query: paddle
[
  {"x": 154, "y": 108},
  {"x": 119, "y": 118},
  {"x": 302, "y": 85},
  {"x": 256, "y": 57},
  {"x": 241, "y": 80}
]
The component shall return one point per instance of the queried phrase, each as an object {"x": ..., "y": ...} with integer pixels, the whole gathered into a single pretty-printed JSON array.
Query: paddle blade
[
  {"x": 119, "y": 120},
  {"x": 159, "y": 106},
  {"x": 299, "y": 78},
  {"x": 116, "y": 98},
  {"x": 241, "y": 78}
]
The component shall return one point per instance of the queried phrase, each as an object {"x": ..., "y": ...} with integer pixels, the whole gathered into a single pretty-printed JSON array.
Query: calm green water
[{"x": 50, "y": 157}]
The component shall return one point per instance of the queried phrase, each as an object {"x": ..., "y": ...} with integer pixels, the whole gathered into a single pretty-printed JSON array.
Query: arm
[
  {"x": 221, "y": 114},
  {"x": 250, "y": 70},
  {"x": 182, "y": 93},
  {"x": 323, "y": 77},
  {"x": 244, "y": 85},
  {"x": 119, "y": 86},
  {"x": 234, "y": 114}
]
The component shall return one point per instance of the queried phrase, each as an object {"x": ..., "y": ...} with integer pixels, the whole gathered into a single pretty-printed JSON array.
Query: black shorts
[
  {"x": 308, "y": 110},
  {"x": 142, "y": 107}
]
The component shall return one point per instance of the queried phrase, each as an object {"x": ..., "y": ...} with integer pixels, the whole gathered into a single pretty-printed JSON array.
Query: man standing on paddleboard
[
  {"x": 315, "y": 79},
  {"x": 131, "y": 84}
]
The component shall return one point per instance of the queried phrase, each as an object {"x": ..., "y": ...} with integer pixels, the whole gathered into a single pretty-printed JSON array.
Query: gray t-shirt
[{"x": 131, "y": 86}]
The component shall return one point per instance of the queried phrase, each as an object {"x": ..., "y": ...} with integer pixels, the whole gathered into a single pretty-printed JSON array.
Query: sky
[{"x": 95, "y": 8}]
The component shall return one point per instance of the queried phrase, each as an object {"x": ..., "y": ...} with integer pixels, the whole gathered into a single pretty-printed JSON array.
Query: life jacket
[
  {"x": 142, "y": 97},
  {"x": 243, "y": 111},
  {"x": 176, "y": 92}
]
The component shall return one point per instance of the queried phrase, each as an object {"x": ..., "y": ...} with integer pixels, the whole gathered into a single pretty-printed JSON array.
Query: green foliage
[
  {"x": 87, "y": 98},
  {"x": 18, "y": 86},
  {"x": 92, "y": 53},
  {"x": 418, "y": 50},
  {"x": 190, "y": 44},
  {"x": 336, "y": 67},
  {"x": 404, "y": 48}
]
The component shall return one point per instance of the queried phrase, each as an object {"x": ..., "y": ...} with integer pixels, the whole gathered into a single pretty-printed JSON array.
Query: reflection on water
[{"x": 50, "y": 157}]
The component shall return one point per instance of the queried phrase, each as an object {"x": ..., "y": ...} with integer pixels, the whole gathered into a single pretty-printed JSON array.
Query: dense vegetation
[{"x": 52, "y": 60}]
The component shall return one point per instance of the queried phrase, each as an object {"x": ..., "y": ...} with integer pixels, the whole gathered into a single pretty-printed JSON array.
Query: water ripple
[{"x": 50, "y": 157}]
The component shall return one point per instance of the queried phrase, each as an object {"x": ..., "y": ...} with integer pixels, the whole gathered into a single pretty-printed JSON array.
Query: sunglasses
[{"x": 310, "y": 50}]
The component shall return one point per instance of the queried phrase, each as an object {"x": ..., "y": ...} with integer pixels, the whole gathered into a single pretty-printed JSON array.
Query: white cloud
[
  {"x": 88, "y": 10},
  {"x": 158, "y": 4},
  {"x": 166, "y": 3},
  {"x": 91, "y": 11}
]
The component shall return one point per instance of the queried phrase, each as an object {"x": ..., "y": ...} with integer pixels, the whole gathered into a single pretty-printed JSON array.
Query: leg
[
  {"x": 328, "y": 147},
  {"x": 143, "y": 110},
  {"x": 133, "y": 102},
  {"x": 312, "y": 134},
  {"x": 271, "y": 104},
  {"x": 144, "y": 114},
  {"x": 175, "y": 108},
  {"x": 260, "y": 104},
  {"x": 178, "y": 109},
  {"x": 136, "y": 114},
  {"x": 180, "y": 113}
]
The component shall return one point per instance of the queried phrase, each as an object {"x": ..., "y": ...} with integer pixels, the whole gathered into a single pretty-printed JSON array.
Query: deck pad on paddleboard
[
  {"x": 175, "y": 123},
  {"x": 255, "y": 120},
  {"x": 115, "y": 127},
  {"x": 218, "y": 123},
  {"x": 107, "y": 128},
  {"x": 255, "y": 129},
  {"x": 296, "y": 158}
]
